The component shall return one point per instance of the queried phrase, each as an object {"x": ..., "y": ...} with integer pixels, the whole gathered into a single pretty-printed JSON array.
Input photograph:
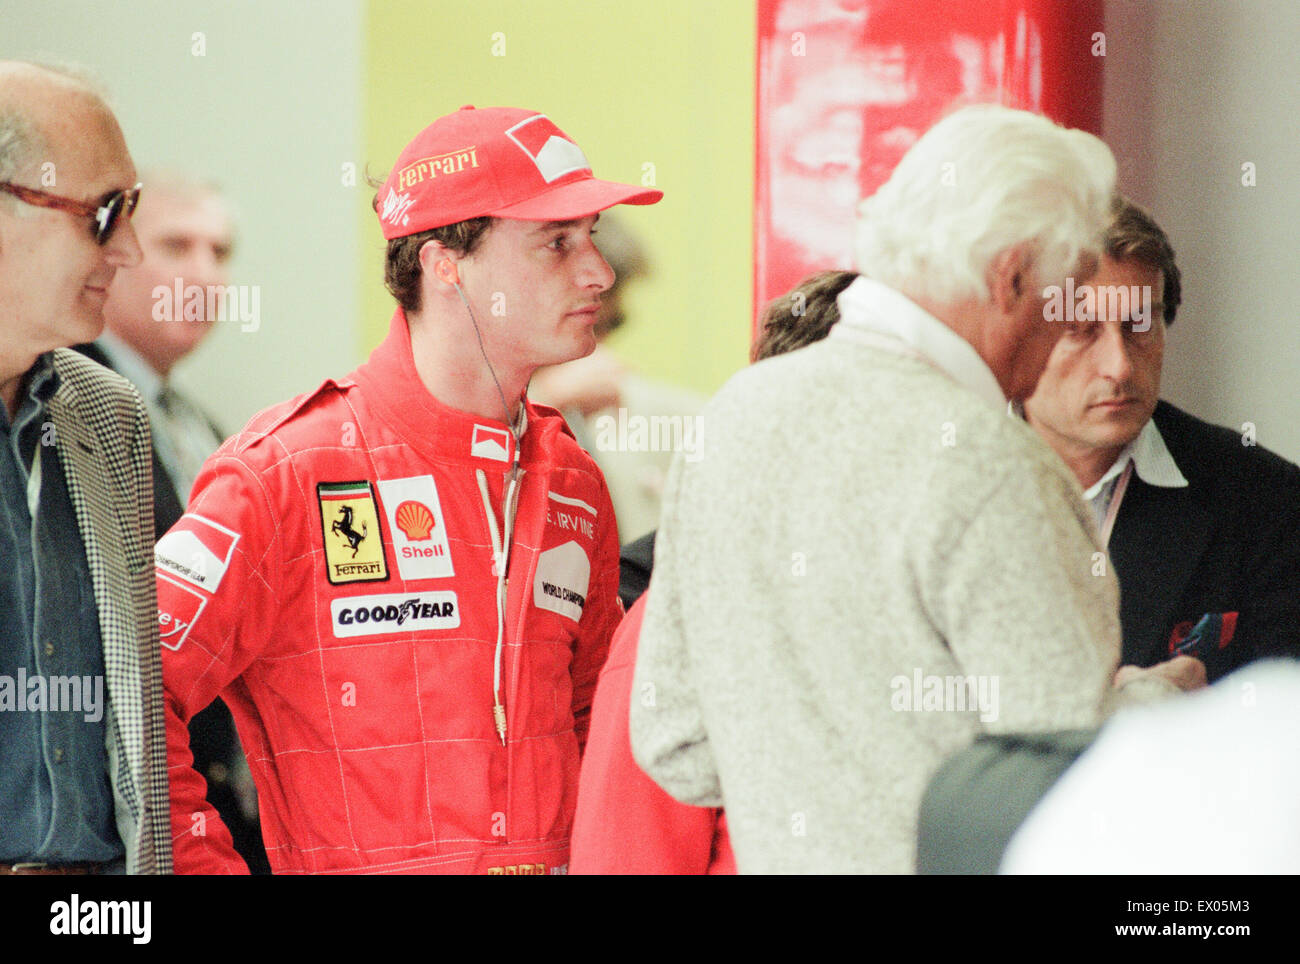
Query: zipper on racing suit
[{"x": 501, "y": 557}]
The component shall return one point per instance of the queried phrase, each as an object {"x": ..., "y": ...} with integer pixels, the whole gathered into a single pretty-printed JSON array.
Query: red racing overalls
[{"x": 334, "y": 580}]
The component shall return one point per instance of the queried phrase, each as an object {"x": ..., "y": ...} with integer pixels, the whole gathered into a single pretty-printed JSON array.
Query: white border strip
[{"x": 577, "y": 503}]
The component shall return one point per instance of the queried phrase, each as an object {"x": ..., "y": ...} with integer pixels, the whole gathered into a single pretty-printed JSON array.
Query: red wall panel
[{"x": 846, "y": 86}]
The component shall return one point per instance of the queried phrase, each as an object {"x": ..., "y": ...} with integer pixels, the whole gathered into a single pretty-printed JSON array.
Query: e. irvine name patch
[{"x": 354, "y": 543}]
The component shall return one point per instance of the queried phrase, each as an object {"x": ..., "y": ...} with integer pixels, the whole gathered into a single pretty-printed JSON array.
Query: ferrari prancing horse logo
[
  {"x": 343, "y": 526},
  {"x": 354, "y": 544}
]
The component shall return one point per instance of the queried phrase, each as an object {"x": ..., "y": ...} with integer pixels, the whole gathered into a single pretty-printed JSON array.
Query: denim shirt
[{"x": 56, "y": 803}]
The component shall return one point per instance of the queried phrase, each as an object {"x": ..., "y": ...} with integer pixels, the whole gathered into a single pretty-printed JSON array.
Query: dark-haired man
[
  {"x": 1203, "y": 525},
  {"x": 404, "y": 583}
]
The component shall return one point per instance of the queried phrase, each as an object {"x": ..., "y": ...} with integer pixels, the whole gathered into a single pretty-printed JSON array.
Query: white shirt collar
[
  {"x": 1152, "y": 462},
  {"x": 868, "y": 306}
]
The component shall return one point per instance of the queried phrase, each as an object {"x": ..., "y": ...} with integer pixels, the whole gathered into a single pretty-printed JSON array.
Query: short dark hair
[
  {"x": 1133, "y": 235},
  {"x": 801, "y": 316},
  {"x": 402, "y": 272}
]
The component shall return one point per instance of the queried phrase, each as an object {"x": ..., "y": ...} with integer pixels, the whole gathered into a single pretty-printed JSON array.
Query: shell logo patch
[
  {"x": 419, "y": 532},
  {"x": 415, "y": 520},
  {"x": 353, "y": 541}
]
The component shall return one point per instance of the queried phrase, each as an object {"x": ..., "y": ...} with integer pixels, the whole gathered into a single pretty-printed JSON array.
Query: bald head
[
  {"x": 39, "y": 108},
  {"x": 25, "y": 83},
  {"x": 59, "y": 140}
]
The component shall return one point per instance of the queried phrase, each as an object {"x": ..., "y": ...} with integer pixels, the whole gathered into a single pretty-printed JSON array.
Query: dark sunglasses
[{"x": 105, "y": 215}]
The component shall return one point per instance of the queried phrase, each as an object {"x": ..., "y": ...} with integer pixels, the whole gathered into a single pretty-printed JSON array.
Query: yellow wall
[{"x": 670, "y": 83}]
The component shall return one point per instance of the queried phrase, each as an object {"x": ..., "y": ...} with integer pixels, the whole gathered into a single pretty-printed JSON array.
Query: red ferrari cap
[{"x": 495, "y": 162}]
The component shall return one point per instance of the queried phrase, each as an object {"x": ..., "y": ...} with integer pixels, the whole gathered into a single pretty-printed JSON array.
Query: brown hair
[
  {"x": 402, "y": 272},
  {"x": 1134, "y": 235},
  {"x": 801, "y": 316}
]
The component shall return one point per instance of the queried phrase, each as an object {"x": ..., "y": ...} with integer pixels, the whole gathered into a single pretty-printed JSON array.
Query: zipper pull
[{"x": 499, "y": 714}]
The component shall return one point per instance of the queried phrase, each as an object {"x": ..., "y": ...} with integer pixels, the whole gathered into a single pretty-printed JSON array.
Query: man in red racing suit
[{"x": 404, "y": 596}]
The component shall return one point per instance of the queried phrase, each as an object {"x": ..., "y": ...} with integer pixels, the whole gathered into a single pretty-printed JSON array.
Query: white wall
[
  {"x": 271, "y": 111},
  {"x": 1195, "y": 89}
]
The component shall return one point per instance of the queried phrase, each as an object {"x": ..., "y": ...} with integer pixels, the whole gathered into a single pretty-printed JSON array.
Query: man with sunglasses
[{"x": 83, "y": 780}]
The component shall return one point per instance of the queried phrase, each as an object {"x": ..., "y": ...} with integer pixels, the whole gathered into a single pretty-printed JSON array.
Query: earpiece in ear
[{"x": 446, "y": 272}]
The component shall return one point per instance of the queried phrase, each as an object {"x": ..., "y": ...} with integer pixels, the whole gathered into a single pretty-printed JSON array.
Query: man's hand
[{"x": 1185, "y": 672}]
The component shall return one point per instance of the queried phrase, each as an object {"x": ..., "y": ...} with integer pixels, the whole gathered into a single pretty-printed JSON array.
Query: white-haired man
[
  {"x": 872, "y": 561},
  {"x": 83, "y": 777}
]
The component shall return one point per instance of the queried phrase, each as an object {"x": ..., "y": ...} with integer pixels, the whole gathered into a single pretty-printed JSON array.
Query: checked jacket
[{"x": 102, "y": 437}]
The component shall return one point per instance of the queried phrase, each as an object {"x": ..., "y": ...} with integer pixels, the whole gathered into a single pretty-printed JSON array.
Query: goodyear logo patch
[
  {"x": 393, "y": 613},
  {"x": 354, "y": 543}
]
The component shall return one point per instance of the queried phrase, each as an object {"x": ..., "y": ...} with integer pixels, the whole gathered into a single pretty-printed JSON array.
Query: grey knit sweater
[{"x": 860, "y": 523}]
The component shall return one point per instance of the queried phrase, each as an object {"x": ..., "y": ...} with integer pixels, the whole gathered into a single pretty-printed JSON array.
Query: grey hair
[
  {"x": 22, "y": 144},
  {"x": 184, "y": 186},
  {"x": 983, "y": 180}
]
